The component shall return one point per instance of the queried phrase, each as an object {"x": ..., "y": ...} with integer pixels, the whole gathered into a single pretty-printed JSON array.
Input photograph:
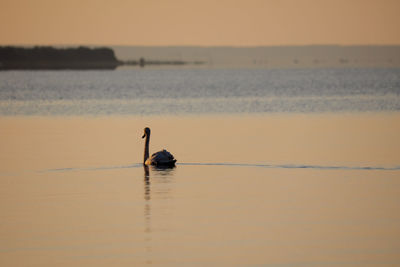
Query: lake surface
[
  {"x": 275, "y": 168},
  {"x": 198, "y": 91}
]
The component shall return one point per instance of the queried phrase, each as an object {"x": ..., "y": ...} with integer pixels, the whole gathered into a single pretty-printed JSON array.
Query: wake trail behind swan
[{"x": 232, "y": 164}]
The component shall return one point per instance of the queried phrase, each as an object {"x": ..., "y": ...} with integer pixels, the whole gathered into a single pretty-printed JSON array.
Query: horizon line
[{"x": 204, "y": 46}]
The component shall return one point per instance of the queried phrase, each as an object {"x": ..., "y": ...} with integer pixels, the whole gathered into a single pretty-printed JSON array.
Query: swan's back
[{"x": 162, "y": 157}]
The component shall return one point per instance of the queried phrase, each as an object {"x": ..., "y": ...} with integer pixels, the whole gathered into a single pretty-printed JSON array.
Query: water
[
  {"x": 275, "y": 168},
  {"x": 198, "y": 91}
]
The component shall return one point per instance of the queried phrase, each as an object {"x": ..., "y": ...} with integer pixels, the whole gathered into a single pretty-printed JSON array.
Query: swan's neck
[{"x": 146, "y": 148}]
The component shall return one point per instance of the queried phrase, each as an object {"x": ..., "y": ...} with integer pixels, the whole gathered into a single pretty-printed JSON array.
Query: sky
[{"x": 199, "y": 22}]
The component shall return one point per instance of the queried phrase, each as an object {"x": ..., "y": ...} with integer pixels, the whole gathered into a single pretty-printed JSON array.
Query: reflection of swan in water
[
  {"x": 162, "y": 175},
  {"x": 160, "y": 158},
  {"x": 146, "y": 182}
]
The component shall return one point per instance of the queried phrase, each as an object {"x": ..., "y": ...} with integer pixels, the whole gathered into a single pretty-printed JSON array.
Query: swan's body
[{"x": 160, "y": 158}]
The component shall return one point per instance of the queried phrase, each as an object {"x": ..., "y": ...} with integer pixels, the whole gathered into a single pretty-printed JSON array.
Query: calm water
[
  {"x": 194, "y": 91},
  {"x": 275, "y": 168}
]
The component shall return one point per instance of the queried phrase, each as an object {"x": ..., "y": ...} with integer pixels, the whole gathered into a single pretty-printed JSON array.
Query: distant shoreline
[
  {"x": 306, "y": 56},
  {"x": 271, "y": 57},
  {"x": 80, "y": 58}
]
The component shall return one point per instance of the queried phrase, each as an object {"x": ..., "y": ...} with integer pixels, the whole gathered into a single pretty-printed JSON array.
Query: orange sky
[{"x": 199, "y": 22}]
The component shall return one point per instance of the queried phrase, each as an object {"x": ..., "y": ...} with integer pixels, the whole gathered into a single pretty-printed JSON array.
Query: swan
[{"x": 160, "y": 158}]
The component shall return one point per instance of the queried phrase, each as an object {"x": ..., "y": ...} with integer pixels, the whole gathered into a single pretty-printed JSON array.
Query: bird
[{"x": 161, "y": 158}]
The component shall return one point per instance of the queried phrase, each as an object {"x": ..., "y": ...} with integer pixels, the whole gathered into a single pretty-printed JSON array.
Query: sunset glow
[{"x": 206, "y": 23}]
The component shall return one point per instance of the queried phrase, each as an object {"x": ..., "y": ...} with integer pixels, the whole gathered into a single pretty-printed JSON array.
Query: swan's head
[{"x": 146, "y": 132}]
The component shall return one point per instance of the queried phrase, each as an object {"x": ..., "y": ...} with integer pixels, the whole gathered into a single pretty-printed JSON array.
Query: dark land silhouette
[
  {"x": 46, "y": 57},
  {"x": 80, "y": 58}
]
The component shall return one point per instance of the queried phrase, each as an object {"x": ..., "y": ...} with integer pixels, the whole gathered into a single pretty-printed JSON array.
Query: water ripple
[
  {"x": 231, "y": 164},
  {"x": 296, "y": 166}
]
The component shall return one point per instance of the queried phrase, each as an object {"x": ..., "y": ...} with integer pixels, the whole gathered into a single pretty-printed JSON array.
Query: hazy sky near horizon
[{"x": 199, "y": 22}]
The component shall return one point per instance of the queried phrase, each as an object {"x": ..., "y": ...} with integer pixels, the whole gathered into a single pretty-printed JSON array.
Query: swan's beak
[{"x": 143, "y": 135}]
